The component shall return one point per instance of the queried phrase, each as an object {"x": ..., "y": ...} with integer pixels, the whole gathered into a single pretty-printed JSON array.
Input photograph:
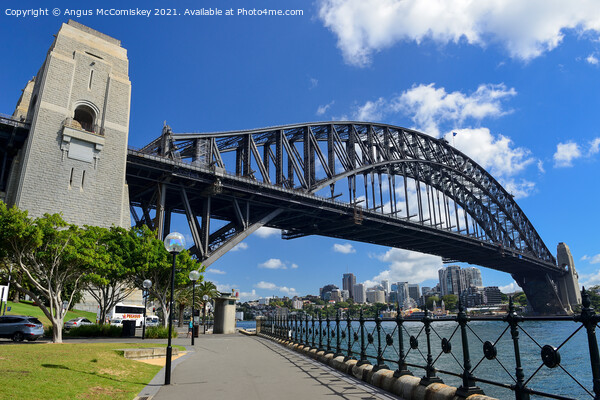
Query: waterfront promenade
[{"x": 248, "y": 367}]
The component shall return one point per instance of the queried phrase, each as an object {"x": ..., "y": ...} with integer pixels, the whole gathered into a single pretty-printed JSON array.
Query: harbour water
[{"x": 574, "y": 362}]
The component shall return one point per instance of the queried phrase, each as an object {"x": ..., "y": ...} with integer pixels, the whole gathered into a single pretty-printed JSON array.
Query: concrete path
[{"x": 248, "y": 368}]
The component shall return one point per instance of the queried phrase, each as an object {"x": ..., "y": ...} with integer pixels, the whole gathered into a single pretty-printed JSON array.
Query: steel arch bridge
[{"x": 360, "y": 181}]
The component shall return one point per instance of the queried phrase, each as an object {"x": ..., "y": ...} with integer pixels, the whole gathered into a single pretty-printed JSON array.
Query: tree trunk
[
  {"x": 57, "y": 325},
  {"x": 180, "y": 323}
]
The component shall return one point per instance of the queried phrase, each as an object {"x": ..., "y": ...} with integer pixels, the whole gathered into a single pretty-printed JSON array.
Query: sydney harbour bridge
[
  {"x": 358, "y": 181},
  {"x": 65, "y": 150}
]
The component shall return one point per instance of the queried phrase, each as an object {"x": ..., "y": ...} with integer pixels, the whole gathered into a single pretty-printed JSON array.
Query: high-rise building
[
  {"x": 360, "y": 295},
  {"x": 452, "y": 280},
  {"x": 473, "y": 277},
  {"x": 326, "y": 289},
  {"x": 386, "y": 285},
  {"x": 348, "y": 282},
  {"x": 375, "y": 296},
  {"x": 493, "y": 295},
  {"x": 402, "y": 289},
  {"x": 413, "y": 291}
]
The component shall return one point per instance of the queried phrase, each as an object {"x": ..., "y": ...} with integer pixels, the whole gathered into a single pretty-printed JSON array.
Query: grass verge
[{"x": 72, "y": 371}]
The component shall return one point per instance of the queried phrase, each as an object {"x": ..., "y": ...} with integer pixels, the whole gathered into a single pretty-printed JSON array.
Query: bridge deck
[{"x": 247, "y": 367}]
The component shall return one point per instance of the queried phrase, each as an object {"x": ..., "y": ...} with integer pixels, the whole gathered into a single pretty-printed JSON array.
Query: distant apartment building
[
  {"x": 375, "y": 296},
  {"x": 345, "y": 295},
  {"x": 473, "y": 277},
  {"x": 264, "y": 301},
  {"x": 348, "y": 282},
  {"x": 323, "y": 292},
  {"x": 402, "y": 290},
  {"x": 493, "y": 295},
  {"x": 297, "y": 304},
  {"x": 386, "y": 285},
  {"x": 360, "y": 293},
  {"x": 413, "y": 291}
]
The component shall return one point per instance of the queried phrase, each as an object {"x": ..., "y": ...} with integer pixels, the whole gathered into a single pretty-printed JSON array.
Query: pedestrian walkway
[{"x": 249, "y": 367}]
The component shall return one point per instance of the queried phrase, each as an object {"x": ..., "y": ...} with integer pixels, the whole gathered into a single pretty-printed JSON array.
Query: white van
[{"x": 152, "y": 320}]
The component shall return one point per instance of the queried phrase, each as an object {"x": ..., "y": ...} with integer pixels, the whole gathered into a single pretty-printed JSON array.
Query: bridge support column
[
  {"x": 541, "y": 292},
  {"x": 568, "y": 284}
]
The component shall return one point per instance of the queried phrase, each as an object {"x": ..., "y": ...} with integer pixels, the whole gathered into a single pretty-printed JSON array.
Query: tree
[
  {"x": 206, "y": 288},
  {"x": 430, "y": 300},
  {"x": 49, "y": 253},
  {"x": 183, "y": 298},
  {"x": 148, "y": 257},
  {"x": 109, "y": 279},
  {"x": 450, "y": 301},
  {"x": 520, "y": 298}
]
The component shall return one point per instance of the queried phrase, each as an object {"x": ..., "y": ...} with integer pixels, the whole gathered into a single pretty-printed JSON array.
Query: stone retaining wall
[
  {"x": 407, "y": 387},
  {"x": 146, "y": 353}
]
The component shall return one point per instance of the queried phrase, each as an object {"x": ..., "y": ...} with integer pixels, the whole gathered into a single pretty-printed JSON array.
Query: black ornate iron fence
[{"x": 498, "y": 354}]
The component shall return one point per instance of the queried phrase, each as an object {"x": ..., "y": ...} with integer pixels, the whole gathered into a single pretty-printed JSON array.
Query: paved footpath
[{"x": 248, "y": 367}]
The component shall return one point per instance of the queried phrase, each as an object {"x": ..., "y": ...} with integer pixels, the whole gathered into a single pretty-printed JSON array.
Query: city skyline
[{"x": 521, "y": 103}]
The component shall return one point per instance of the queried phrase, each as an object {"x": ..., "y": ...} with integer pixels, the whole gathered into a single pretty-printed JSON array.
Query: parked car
[
  {"x": 77, "y": 322},
  {"x": 19, "y": 327},
  {"x": 152, "y": 320},
  {"x": 116, "y": 322}
]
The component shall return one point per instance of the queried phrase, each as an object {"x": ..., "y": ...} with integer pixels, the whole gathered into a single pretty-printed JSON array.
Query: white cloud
[
  {"x": 591, "y": 59},
  {"x": 592, "y": 260},
  {"x": 323, "y": 109},
  {"x": 271, "y": 286},
  {"x": 273, "y": 263},
  {"x": 565, "y": 154},
  {"x": 594, "y": 146},
  {"x": 371, "y": 110},
  {"x": 247, "y": 296},
  {"x": 294, "y": 266},
  {"x": 496, "y": 154},
  {"x": 313, "y": 83},
  {"x": 265, "y": 232},
  {"x": 265, "y": 285},
  {"x": 590, "y": 279},
  {"x": 215, "y": 271},
  {"x": 429, "y": 107},
  {"x": 240, "y": 246},
  {"x": 407, "y": 266},
  {"x": 526, "y": 29},
  {"x": 345, "y": 248},
  {"x": 510, "y": 288}
]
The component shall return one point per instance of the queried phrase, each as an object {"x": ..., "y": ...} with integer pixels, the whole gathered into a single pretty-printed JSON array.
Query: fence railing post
[
  {"x": 402, "y": 367},
  {"x": 320, "y": 331},
  {"x": 380, "y": 363},
  {"x": 430, "y": 376},
  {"x": 590, "y": 319},
  {"x": 328, "y": 332},
  {"x": 312, "y": 317},
  {"x": 349, "y": 356},
  {"x": 363, "y": 353},
  {"x": 468, "y": 386},
  {"x": 513, "y": 320},
  {"x": 306, "y": 343},
  {"x": 338, "y": 343}
]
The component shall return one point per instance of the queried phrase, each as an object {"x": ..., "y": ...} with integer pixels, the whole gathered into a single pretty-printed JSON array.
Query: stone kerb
[{"x": 407, "y": 387}]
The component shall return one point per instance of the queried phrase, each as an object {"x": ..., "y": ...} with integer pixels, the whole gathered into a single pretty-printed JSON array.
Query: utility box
[
  {"x": 128, "y": 329},
  {"x": 224, "y": 315}
]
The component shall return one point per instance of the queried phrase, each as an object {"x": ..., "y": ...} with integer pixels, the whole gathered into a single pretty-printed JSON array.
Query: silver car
[
  {"x": 77, "y": 322},
  {"x": 19, "y": 327}
]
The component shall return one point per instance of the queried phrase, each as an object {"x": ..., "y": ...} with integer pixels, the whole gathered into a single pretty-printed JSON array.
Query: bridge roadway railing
[{"x": 427, "y": 343}]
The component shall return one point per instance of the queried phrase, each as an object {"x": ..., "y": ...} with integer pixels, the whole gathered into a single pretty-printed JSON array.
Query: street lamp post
[
  {"x": 174, "y": 244},
  {"x": 147, "y": 284},
  {"x": 194, "y": 275},
  {"x": 205, "y": 298}
]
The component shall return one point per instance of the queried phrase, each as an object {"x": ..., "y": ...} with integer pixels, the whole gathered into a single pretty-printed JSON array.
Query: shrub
[
  {"x": 95, "y": 331},
  {"x": 159, "y": 332}
]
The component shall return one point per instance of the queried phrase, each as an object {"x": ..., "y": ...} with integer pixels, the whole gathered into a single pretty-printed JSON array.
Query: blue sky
[{"x": 518, "y": 81}]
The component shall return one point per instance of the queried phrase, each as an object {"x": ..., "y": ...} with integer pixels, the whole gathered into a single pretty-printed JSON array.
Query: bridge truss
[{"x": 359, "y": 181}]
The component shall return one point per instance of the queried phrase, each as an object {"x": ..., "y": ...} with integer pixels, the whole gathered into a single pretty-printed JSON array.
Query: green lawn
[
  {"x": 26, "y": 308},
  {"x": 72, "y": 371}
]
